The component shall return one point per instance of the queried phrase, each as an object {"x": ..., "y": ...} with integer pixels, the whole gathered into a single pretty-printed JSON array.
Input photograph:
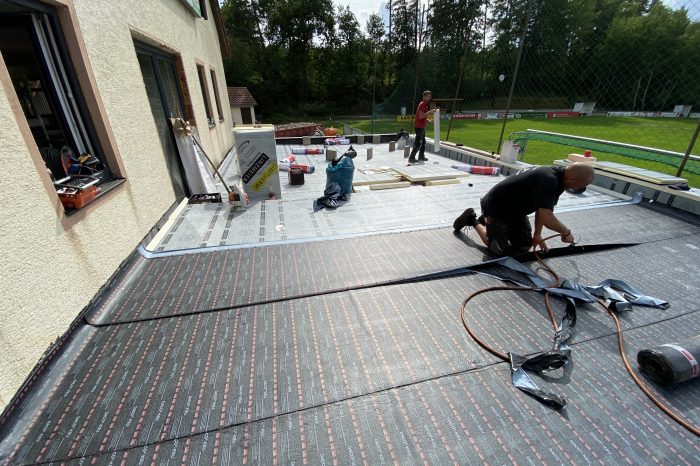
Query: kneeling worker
[{"x": 504, "y": 226}]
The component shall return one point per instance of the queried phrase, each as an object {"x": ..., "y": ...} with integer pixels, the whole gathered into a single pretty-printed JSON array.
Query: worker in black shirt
[{"x": 504, "y": 226}]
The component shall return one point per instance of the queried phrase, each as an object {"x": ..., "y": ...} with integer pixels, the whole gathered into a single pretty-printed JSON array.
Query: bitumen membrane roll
[{"x": 673, "y": 362}]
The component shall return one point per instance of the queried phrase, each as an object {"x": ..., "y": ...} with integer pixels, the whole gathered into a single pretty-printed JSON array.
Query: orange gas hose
[{"x": 687, "y": 425}]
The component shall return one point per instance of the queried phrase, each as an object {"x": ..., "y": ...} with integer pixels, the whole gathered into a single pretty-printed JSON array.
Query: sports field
[{"x": 672, "y": 134}]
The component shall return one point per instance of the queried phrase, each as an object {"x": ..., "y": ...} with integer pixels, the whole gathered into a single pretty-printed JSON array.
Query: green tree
[
  {"x": 293, "y": 25},
  {"x": 403, "y": 39},
  {"x": 250, "y": 64},
  {"x": 375, "y": 36}
]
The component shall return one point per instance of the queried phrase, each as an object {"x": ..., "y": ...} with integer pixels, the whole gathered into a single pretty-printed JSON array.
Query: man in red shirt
[{"x": 421, "y": 118}]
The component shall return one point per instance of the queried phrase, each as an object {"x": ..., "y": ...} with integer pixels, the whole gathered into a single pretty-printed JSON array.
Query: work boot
[
  {"x": 411, "y": 160},
  {"x": 422, "y": 158},
  {"x": 467, "y": 219}
]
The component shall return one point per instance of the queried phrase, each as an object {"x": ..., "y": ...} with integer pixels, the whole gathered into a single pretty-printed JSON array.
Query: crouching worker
[{"x": 504, "y": 227}]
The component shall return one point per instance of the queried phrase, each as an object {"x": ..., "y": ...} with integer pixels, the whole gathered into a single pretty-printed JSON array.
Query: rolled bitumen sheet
[{"x": 672, "y": 362}]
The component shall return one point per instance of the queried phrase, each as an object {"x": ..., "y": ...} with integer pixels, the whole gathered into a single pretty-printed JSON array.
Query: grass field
[{"x": 663, "y": 133}]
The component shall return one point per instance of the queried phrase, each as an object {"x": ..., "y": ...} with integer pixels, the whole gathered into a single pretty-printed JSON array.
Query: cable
[{"x": 618, "y": 329}]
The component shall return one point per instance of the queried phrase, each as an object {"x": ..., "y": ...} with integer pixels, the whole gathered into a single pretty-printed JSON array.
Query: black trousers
[
  {"x": 419, "y": 144},
  {"x": 508, "y": 235}
]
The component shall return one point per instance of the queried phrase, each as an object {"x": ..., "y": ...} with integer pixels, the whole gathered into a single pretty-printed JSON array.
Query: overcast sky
[{"x": 363, "y": 8}]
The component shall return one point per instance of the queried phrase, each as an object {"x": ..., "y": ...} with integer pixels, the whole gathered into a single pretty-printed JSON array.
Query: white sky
[{"x": 363, "y": 8}]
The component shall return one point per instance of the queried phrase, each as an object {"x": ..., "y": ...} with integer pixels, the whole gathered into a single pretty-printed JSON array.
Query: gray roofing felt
[{"x": 321, "y": 352}]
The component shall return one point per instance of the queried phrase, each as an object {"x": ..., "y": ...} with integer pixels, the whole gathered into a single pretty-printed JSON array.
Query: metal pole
[
  {"x": 415, "y": 84},
  {"x": 374, "y": 87},
  {"x": 515, "y": 75},
  {"x": 690, "y": 148},
  {"x": 459, "y": 81},
  {"x": 199, "y": 145}
]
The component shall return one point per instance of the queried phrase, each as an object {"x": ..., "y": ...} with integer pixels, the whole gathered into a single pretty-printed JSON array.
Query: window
[
  {"x": 198, "y": 7},
  {"x": 216, "y": 95},
  {"x": 205, "y": 94},
  {"x": 160, "y": 77},
  {"x": 43, "y": 78}
]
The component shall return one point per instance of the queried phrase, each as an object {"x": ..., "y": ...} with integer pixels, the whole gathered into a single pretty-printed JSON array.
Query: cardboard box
[{"x": 257, "y": 160}]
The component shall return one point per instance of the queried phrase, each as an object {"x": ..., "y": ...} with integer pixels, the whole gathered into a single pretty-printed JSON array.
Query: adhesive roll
[
  {"x": 306, "y": 168},
  {"x": 306, "y": 150},
  {"x": 477, "y": 169},
  {"x": 284, "y": 164},
  {"x": 673, "y": 362}
]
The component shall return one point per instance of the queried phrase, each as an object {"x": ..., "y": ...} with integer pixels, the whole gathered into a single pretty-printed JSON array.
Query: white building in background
[
  {"x": 88, "y": 87},
  {"x": 242, "y": 105}
]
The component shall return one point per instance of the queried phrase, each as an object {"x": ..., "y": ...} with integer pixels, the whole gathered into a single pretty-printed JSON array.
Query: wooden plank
[
  {"x": 377, "y": 175},
  {"x": 429, "y": 172},
  {"x": 639, "y": 173},
  {"x": 636, "y": 172},
  {"x": 441, "y": 182},
  {"x": 398, "y": 184}
]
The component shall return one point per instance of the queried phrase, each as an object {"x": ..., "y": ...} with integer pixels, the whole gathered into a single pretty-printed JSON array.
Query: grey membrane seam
[
  {"x": 197, "y": 250},
  {"x": 439, "y": 275},
  {"x": 482, "y": 368}
]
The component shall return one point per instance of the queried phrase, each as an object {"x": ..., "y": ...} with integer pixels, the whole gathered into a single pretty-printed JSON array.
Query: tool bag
[{"x": 341, "y": 172}]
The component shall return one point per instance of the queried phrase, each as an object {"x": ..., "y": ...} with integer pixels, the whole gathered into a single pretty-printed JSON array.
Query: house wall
[
  {"x": 54, "y": 264},
  {"x": 238, "y": 117}
]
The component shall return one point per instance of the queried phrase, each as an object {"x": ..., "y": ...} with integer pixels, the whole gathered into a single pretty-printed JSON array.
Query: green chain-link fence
[{"x": 619, "y": 71}]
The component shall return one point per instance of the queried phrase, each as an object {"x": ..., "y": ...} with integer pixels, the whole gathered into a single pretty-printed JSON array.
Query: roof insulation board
[{"x": 419, "y": 207}]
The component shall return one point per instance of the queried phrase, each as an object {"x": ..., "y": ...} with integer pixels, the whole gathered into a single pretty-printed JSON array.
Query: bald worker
[{"x": 504, "y": 227}]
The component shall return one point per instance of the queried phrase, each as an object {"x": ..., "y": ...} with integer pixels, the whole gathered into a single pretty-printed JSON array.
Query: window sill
[{"x": 105, "y": 188}]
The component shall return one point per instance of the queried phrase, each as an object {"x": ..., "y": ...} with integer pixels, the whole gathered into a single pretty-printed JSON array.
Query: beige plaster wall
[{"x": 52, "y": 265}]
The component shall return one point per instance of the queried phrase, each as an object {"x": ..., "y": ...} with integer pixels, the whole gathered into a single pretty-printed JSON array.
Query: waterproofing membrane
[
  {"x": 193, "y": 283},
  {"x": 374, "y": 374},
  {"x": 468, "y": 417},
  {"x": 186, "y": 284},
  {"x": 390, "y": 365}
]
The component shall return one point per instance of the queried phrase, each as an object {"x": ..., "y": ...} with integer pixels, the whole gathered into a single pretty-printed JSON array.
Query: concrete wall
[{"x": 54, "y": 264}]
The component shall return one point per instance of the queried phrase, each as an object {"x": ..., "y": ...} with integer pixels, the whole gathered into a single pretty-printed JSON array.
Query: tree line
[{"x": 311, "y": 58}]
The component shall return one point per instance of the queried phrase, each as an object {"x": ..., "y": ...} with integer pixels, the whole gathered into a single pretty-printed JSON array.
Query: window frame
[
  {"x": 217, "y": 98},
  {"x": 202, "y": 75},
  {"x": 68, "y": 50}
]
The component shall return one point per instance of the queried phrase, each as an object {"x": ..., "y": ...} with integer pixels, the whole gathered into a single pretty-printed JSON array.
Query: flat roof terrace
[{"x": 282, "y": 335}]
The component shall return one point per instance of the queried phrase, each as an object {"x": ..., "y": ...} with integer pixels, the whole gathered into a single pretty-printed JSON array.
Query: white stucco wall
[{"x": 50, "y": 271}]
